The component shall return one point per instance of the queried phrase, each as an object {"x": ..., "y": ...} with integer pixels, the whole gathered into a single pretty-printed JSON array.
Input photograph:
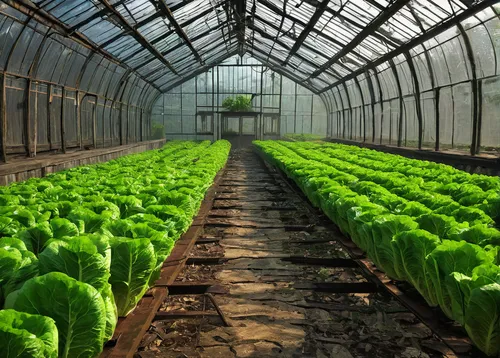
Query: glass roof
[{"x": 314, "y": 42}]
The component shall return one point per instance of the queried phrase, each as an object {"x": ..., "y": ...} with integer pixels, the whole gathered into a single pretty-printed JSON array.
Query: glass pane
[
  {"x": 248, "y": 125},
  {"x": 231, "y": 125}
]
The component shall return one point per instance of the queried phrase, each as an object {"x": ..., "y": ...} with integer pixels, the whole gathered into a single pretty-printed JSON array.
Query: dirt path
[{"x": 267, "y": 279}]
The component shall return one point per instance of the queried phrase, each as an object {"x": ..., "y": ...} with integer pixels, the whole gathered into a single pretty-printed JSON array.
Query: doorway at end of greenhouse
[{"x": 241, "y": 128}]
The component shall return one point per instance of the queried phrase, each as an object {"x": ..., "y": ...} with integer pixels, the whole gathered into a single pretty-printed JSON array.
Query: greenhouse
[{"x": 250, "y": 178}]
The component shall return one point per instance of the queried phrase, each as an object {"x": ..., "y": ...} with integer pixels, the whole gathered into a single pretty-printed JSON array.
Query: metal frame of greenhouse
[{"x": 421, "y": 74}]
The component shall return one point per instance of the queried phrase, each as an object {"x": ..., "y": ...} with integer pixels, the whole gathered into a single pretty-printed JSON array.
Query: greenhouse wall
[
  {"x": 442, "y": 94},
  {"x": 58, "y": 93},
  {"x": 194, "y": 109}
]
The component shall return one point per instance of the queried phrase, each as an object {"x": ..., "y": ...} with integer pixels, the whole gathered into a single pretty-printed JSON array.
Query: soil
[{"x": 259, "y": 303}]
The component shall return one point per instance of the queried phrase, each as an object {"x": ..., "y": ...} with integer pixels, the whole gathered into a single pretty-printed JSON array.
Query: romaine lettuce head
[
  {"x": 481, "y": 318},
  {"x": 63, "y": 227},
  {"x": 132, "y": 263},
  {"x": 27, "y": 335},
  {"x": 449, "y": 257},
  {"x": 17, "y": 265},
  {"x": 384, "y": 227},
  {"x": 437, "y": 224},
  {"x": 77, "y": 308},
  {"x": 411, "y": 249},
  {"x": 479, "y": 234},
  {"x": 78, "y": 258}
]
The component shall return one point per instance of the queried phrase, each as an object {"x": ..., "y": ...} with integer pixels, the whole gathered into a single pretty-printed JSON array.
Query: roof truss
[{"x": 318, "y": 43}]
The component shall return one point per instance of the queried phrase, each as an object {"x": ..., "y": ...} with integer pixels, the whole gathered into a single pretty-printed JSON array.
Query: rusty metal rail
[{"x": 130, "y": 330}]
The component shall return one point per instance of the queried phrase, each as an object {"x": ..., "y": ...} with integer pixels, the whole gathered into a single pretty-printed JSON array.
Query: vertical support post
[
  {"x": 372, "y": 100},
  {"x": 341, "y": 113},
  {"x": 140, "y": 129},
  {"x": 63, "y": 127},
  {"x": 182, "y": 109},
  {"x": 3, "y": 118},
  {"x": 280, "y": 105},
  {"x": 416, "y": 90},
  {"x": 213, "y": 104},
  {"x": 120, "y": 119},
  {"x": 350, "y": 108},
  {"x": 94, "y": 124},
  {"x": 362, "y": 111},
  {"x": 295, "y": 111},
  {"x": 27, "y": 120},
  {"x": 380, "y": 95},
  {"x": 312, "y": 109},
  {"x": 111, "y": 122},
  {"x": 196, "y": 107},
  {"x": 127, "y": 134},
  {"x": 104, "y": 124},
  {"x": 479, "y": 114},
  {"x": 49, "y": 115},
  {"x": 476, "y": 104},
  {"x": 35, "y": 124},
  {"x": 328, "y": 114},
  {"x": 78, "y": 120},
  {"x": 261, "y": 115},
  {"x": 219, "y": 120},
  {"x": 400, "y": 95},
  {"x": 437, "y": 94}
]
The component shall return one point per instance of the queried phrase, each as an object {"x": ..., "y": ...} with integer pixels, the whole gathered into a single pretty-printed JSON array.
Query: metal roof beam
[
  {"x": 176, "y": 47},
  {"x": 307, "y": 30},
  {"x": 279, "y": 70},
  {"x": 277, "y": 10},
  {"x": 105, "y": 11},
  {"x": 178, "y": 29},
  {"x": 198, "y": 72},
  {"x": 184, "y": 24},
  {"x": 280, "y": 31},
  {"x": 200, "y": 49},
  {"x": 239, "y": 16},
  {"x": 443, "y": 26},
  {"x": 270, "y": 37},
  {"x": 137, "y": 36},
  {"x": 363, "y": 34},
  {"x": 392, "y": 42}
]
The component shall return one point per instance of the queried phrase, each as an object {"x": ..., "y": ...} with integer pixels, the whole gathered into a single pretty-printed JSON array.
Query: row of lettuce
[
  {"x": 79, "y": 248},
  {"x": 426, "y": 223}
]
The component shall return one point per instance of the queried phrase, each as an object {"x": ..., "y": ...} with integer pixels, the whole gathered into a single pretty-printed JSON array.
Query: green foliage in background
[
  {"x": 304, "y": 137},
  {"x": 240, "y": 103}
]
